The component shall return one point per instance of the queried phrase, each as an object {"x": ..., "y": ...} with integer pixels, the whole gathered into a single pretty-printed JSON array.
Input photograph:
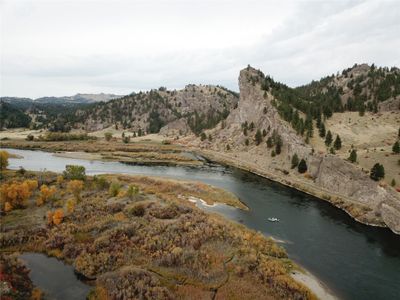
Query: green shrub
[
  {"x": 132, "y": 191},
  {"x": 101, "y": 182},
  {"x": 108, "y": 136},
  {"x": 114, "y": 188},
  {"x": 74, "y": 172}
]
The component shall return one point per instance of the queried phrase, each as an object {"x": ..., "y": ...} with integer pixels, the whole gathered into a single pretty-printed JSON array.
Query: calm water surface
[{"x": 354, "y": 260}]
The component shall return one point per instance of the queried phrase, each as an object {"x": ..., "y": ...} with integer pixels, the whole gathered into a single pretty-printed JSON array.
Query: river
[{"x": 355, "y": 261}]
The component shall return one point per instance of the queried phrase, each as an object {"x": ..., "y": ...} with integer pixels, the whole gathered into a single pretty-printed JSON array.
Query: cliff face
[{"x": 343, "y": 183}]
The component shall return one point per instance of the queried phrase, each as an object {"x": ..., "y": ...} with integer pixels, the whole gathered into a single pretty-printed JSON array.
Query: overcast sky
[{"x": 61, "y": 47}]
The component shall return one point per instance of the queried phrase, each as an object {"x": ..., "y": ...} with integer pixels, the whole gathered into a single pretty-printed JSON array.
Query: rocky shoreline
[{"x": 339, "y": 201}]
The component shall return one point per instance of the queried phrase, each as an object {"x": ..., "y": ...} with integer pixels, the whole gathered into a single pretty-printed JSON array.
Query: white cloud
[{"x": 62, "y": 47}]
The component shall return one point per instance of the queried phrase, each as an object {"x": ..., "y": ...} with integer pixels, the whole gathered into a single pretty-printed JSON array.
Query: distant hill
[
  {"x": 192, "y": 109},
  {"x": 76, "y": 99}
]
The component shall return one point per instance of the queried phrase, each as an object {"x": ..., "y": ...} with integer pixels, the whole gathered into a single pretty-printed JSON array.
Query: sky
[{"x": 62, "y": 47}]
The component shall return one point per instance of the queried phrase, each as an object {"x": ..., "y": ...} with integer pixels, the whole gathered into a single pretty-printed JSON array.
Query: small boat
[{"x": 273, "y": 219}]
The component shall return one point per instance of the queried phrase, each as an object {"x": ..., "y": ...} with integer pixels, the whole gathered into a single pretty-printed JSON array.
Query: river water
[{"x": 355, "y": 261}]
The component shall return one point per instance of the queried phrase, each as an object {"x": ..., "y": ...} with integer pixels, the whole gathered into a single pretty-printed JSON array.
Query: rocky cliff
[{"x": 328, "y": 176}]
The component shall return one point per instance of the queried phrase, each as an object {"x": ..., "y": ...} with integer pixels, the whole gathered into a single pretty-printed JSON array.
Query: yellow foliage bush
[{"x": 71, "y": 205}]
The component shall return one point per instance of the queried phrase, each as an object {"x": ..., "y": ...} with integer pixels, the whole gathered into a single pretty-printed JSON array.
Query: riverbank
[
  {"x": 354, "y": 209},
  {"x": 151, "y": 241}
]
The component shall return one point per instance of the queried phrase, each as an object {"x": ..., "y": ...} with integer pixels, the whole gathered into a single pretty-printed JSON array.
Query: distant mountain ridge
[{"x": 75, "y": 99}]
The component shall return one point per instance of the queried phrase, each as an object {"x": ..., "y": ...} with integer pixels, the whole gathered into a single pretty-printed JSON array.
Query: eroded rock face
[{"x": 329, "y": 172}]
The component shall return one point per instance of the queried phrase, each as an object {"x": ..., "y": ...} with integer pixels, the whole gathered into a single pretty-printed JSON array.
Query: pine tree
[
  {"x": 258, "y": 137},
  {"x": 338, "y": 143},
  {"x": 396, "y": 147},
  {"x": 353, "y": 156},
  {"x": 264, "y": 133},
  {"x": 377, "y": 172},
  {"x": 269, "y": 142},
  {"x": 278, "y": 145},
  {"x": 322, "y": 131},
  {"x": 328, "y": 138},
  {"x": 246, "y": 142},
  {"x": 393, "y": 183},
  {"x": 251, "y": 127},
  {"x": 295, "y": 161},
  {"x": 302, "y": 167}
]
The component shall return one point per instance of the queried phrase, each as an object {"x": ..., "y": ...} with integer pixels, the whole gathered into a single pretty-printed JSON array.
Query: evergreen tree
[
  {"x": 246, "y": 142},
  {"x": 393, "y": 183},
  {"x": 377, "y": 172},
  {"x": 322, "y": 131},
  {"x": 258, "y": 137},
  {"x": 396, "y": 147},
  {"x": 278, "y": 145},
  {"x": 269, "y": 142},
  {"x": 353, "y": 156},
  {"x": 251, "y": 127},
  {"x": 295, "y": 161},
  {"x": 203, "y": 136},
  {"x": 338, "y": 143},
  {"x": 328, "y": 138},
  {"x": 264, "y": 133},
  {"x": 302, "y": 167}
]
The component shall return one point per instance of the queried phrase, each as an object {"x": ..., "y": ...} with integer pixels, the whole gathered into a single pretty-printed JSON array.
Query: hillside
[
  {"x": 53, "y": 113},
  {"x": 11, "y": 117},
  {"x": 191, "y": 109},
  {"x": 266, "y": 131}
]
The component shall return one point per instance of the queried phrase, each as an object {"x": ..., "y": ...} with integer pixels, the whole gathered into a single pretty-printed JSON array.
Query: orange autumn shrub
[
  {"x": 55, "y": 217},
  {"x": 58, "y": 216},
  {"x": 32, "y": 184},
  {"x": 75, "y": 187},
  {"x": 46, "y": 193},
  {"x": 15, "y": 193}
]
